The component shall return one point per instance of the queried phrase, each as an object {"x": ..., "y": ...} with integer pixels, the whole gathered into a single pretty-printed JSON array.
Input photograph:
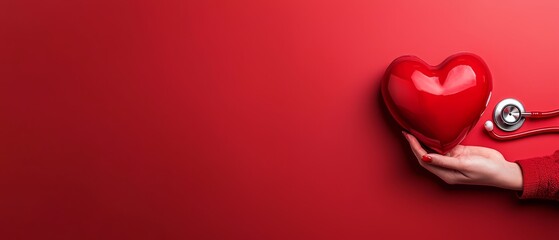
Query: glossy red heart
[{"x": 437, "y": 104}]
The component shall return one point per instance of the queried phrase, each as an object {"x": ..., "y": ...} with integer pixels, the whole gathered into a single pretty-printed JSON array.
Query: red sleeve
[{"x": 540, "y": 177}]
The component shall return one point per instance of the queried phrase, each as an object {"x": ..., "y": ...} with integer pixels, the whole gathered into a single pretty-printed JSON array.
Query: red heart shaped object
[{"x": 437, "y": 104}]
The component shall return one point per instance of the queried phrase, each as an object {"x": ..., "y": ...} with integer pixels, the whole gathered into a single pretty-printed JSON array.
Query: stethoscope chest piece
[{"x": 508, "y": 115}]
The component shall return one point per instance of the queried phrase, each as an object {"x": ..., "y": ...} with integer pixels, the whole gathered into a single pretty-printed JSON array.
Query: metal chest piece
[{"x": 508, "y": 115}]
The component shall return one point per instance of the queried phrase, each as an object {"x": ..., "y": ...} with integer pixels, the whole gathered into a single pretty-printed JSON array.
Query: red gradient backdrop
[{"x": 251, "y": 119}]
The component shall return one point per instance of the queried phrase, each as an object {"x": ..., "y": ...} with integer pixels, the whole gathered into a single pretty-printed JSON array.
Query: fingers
[
  {"x": 418, "y": 151},
  {"x": 448, "y": 175},
  {"x": 436, "y": 159},
  {"x": 446, "y": 162},
  {"x": 445, "y": 167}
]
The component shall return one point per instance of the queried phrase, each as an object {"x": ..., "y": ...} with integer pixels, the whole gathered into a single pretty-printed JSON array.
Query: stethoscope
[{"x": 509, "y": 115}]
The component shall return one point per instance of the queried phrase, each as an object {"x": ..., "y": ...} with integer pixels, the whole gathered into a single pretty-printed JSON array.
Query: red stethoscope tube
[
  {"x": 489, "y": 127},
  {"x": 548, "y": 114}
]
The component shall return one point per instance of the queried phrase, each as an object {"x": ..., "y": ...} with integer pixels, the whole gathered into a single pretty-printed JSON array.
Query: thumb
[{"x": 443, "y": 161}]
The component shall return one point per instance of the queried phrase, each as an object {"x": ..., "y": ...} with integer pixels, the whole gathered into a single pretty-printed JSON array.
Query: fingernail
[
  {"x": 405, "y": 134},
  {"x": 426, "y": 158}
]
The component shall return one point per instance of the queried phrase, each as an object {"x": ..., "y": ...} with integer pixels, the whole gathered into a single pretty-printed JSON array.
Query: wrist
[{"x": 512, "y": 177}]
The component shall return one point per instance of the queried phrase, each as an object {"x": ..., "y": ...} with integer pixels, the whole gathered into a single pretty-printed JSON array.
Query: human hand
[{"x": 469, "y": 165}]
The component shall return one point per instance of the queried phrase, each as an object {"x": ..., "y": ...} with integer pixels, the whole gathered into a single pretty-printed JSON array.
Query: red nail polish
[{"x": 426, "y": 158}]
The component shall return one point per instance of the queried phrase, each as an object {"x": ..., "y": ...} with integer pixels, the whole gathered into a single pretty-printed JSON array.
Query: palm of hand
[{"x": 475, "y": 163}]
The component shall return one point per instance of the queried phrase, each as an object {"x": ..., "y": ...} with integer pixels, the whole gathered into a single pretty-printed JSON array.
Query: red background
[{"x": 251, "y": 119}]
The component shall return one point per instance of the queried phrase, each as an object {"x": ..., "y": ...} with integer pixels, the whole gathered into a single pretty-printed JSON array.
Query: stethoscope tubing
[
  {"x": 528, "y": 133},
  {"x": 548, "y": 114}
]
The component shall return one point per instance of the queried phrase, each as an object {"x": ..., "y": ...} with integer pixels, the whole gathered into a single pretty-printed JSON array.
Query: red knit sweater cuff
[{"x": 540, "y": 177}]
